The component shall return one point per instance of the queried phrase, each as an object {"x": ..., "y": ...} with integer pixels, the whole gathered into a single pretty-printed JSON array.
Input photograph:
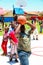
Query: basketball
[{"x": 21, "y": 19}]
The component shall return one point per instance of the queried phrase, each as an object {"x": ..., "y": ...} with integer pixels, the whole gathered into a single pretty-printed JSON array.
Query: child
[
  {"x": 35, "y": 32},
  {"x": 14, "y": 44},
  {"x": 4, "y": 41},
  {"x": 24, "y": 44}
]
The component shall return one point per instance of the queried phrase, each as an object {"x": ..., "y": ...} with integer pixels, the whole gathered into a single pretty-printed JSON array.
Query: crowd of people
[{"x": 19, "y": 38}]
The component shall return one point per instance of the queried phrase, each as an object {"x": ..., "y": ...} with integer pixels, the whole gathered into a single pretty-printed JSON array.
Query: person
[
  {"x": 35, "y": 33},
  {"x": 0, "y": 26},
  {"x": 4, "y": 41},
  {"x": 12, "y": 25},
  {"x": 41, "y": 26},
  {"x": 24, "y": 45},
  {"x": 14, "y": 44},
  {"x": 2, "y": 21},
  {"x": 12, "y": 28}
]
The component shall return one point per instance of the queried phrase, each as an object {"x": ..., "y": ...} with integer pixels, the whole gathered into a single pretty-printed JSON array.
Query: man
[{"x": 41, "y": 26}]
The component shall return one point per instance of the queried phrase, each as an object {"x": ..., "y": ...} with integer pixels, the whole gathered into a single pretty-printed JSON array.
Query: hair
[
  {"x": 6, "y": 29},
  {"x": 22, "y": 28},
  {"x": 15, "y": 18},
  {"x": 5, "y": 25}
]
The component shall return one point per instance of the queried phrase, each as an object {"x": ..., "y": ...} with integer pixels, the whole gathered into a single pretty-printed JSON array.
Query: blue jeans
[{"x": 23, "y": 56}]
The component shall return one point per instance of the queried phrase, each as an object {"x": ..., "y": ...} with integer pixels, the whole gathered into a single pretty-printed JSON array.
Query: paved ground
[{"x": 36, "y": 57}]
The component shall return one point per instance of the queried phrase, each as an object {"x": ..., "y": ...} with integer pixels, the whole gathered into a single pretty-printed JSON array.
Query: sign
[{"x": 18, "y": 11}]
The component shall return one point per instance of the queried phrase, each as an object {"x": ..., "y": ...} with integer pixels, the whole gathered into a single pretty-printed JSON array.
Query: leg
[
  {"x": 40, "y": 29},
  {"x": 15, "y": 51},
  {"x": 34, "y": 35},
  {"x": 16, "y": 56},
  {"x": 12, "y": 52},
  {"x": 11, "y": 56},
  {"x": 23, "y": 56},
  {"x": 4, "y": 47},
  {"x": 3, "y": 25}
]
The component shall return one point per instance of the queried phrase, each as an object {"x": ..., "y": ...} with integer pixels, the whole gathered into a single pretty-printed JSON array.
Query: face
[
  {"x": 6, "y": 30},
  {"x": 12, "y": 24}
]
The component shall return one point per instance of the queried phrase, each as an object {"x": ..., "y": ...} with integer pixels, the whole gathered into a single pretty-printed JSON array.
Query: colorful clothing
[
  {"x": 24, "y": 42},
  {"x": 24, "y": 47},
  {"x": 13, "y": 37},
  {"x": 15, "y": 40},
  {"x": 4, "y": 43}
]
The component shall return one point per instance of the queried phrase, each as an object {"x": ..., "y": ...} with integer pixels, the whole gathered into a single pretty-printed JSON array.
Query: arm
[
  {"x": 31, "y": 25},
  {"x": 11, "y": 41},
  {"x": 18, "y": 28}
]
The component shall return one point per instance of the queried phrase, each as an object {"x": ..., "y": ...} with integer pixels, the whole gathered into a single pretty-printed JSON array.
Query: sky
[{"x": 28, "y": 5}]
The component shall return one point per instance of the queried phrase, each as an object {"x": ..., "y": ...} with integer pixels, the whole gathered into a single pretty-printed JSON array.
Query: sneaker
[
  {"x": 33, "y": 38},
  {"x": 3, "y": 54},
  {"x": 10, "y": 59},
  {"x": 16, "y": 60},
  {"x": 36, "y": 38}
]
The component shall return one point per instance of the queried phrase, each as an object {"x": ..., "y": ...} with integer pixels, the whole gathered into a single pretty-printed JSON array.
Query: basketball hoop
[{"x": 21, "y": 3}]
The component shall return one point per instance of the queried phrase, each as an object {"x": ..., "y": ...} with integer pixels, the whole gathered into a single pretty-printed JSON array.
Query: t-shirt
[
  {"x": 24, "y": 43},
  {"x": 10, "y": 29}
]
